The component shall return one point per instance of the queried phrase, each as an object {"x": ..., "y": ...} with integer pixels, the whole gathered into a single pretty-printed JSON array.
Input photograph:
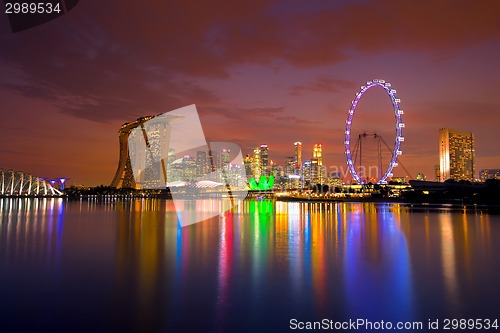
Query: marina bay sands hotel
[{"x": 124, "y": 176}]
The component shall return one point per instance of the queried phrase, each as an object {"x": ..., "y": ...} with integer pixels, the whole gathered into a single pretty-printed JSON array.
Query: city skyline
[{"x": 273, "y": 72}]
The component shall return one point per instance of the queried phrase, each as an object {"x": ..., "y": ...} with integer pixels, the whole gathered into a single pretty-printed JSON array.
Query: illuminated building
[
  {"x": 276, "y": 170},
  {"x": 264, "y": 158},
  {"x": 318, "y": 153},
  {"x": 215, "y": 160},
  {"x": 226, "y": 157},
  {"x": 201, "y": 163},
  {"x": 306, "y": 172},
  {"x": 399, "y": 180},
  {"x": 298, "y": 154},
  {"x": 420, "y": 176},
  {"x": 257, "y": 163},
  {"x": 314, "y": 171},
  {"x": 456, "y": 155},
  {"x": 318, "y": 171},
  {"x": 486, "y": 174},
  {"x": 124, "y": 176},
  {"x": 335, "y": 180},
  {"x": 247, "y": 162},
  {"x": 290, "y": 165},
  {"x": 189, "y": 168},
  {"x": 173, "y": 171},
  {"x": 437, "y": 173}
]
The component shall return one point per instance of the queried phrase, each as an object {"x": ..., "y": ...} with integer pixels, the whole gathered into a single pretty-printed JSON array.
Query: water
[{"x": 126, "y": 266}]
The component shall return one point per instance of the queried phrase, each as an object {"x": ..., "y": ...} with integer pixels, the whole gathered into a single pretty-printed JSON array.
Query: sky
[{"x": 259, "y": 72}]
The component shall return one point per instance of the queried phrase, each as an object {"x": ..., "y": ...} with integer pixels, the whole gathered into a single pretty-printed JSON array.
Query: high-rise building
[
  {"x": 257, "y": 163},
  {"x": 201, "y": 163},
  {"x": 226, "y": 157},
  {"x": 314, "y": 171},
  {"x": 456, "y": 155},
  {"x": 264, "y": 158},
  {"x": 290, "y": 165},
  {"x": 247, "y": 162},
  {"x": 298, "y": 154},
  {"x": 318, "y": 171},
  {"x": 318, "y": 153},
  {"x": 214, "y": 160},
  {"x": 306, "y": 172},
  {"x": 189, "y": 168},
  {"x": 437, "y": 173},
  {"x": 276, "y": 170},
  {"x": 486, "y": 174}
]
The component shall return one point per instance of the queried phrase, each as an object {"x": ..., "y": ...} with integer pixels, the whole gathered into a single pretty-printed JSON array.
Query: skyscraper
[
  {"x": 314, "y": 171},
  {"x": 318, "y": 153},
  {"x": 214, "y": 159},
  {"x": 437, "y": 173},
  {"x": 247, "y": 162},
  {"x": 298, "y": 154},
  {"x": 226, "y": 157},
  {"x": 456, "y": 155},
  {"x": 306, "y": 172},
  {"x": 290, "y": 165},
  {"x": 318, "y": 171},
  {"x": 264, "y": 158},
  {"x": 257, "y": 163},
  {"x": 201, "y": 163}
]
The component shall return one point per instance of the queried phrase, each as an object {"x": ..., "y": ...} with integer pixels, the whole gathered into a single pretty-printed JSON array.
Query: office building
[
  {"x": 247, "y": 162},
  {"x": 306, "y": 172},
  {"x": 318, "y": 153},
  {"x": 201, "y": 164},
  {"x": 290, "y": 165},
  {"x": 264, "y": 159},
  {"x": 298, "y": 154},
  {"x": 257, "y": 163},
  {"x": 226, "y": 157}
]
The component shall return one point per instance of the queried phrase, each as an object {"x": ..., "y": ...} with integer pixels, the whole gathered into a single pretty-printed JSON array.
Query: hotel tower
[{"x": 456, "y": 155}]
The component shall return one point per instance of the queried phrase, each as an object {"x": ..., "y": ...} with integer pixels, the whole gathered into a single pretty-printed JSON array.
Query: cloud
[
  {"x": 323, "y": 84},
  {"x": 98, "y": 68}
]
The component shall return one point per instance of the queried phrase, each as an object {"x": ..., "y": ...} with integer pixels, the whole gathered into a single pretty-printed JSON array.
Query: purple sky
[{"x": 270, "y": 72}]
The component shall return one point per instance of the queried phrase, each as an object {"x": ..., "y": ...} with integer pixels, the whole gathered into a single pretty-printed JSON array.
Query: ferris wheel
[{"x": 398, "y": 112}]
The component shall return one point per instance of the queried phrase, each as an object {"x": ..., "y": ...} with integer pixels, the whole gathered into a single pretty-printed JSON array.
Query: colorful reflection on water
[{"x": 128, "y": 266}]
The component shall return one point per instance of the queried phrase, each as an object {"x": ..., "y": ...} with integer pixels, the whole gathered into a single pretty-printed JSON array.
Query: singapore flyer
[{"x": 399, "y": 138}]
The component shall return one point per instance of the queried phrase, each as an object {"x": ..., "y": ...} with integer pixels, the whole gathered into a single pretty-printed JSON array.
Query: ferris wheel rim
[{"x": 399, "y": 138}]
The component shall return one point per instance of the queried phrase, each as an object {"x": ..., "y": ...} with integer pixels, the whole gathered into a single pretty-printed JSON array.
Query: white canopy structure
[{"x": 17, "y": 183}]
